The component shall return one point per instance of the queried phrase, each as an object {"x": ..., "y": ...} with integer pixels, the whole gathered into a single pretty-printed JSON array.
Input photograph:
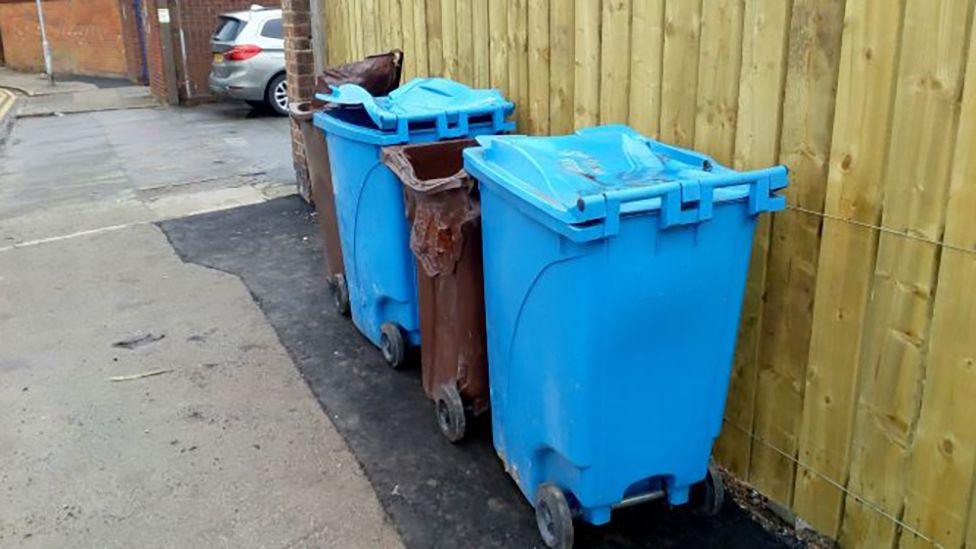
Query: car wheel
[{"x": 277, "y": 95}]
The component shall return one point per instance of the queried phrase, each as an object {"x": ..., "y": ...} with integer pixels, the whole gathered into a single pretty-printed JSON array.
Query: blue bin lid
[
  {"x": 440, "y": 104},
  {"x": 582, "y": 183}
]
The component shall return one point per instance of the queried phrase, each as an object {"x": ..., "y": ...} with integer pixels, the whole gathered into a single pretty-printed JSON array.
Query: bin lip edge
[{"x": 577, "y": 230}]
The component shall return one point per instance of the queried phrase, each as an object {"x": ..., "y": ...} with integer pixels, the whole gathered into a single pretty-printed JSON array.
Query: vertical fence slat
[
  {"x": 407, "y": 8},
  {"x": 764, "y": 44},
  {"x": 682, "y": 25},
  {"x": 394, "y": 22},
  {"x": 562, "y": 39},
  {"x": 355, "y": 17},
  {"x": 370, "y": 28},
  {"x": 646, "y": 44},
  {"x": 518, "y": 60},
  {"x": 854, "y": 190},
  {"x": 896, "y": 339},
  {"x": 383, "y": 20},
  {"x": 420, "y": 45},
  {"x": 945, "y": 447},
  {"x": 586, "y": 96},
  {"x": 614, "y": 61},
  {"x": 808, "y": 108},
  {"x": 538, "y": 37},
  {"x": 449, "y": 43},
  {"x": 465, "y": 42},
  {"x": 498, "y": 41},
  {"x": 720, "y": 61},
  {"x": 435, "y": 43},
  {"x": 481, "y": 45}
]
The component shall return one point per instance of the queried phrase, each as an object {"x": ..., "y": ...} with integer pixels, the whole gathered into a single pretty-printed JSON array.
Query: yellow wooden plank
[
  {"x": 808, "y": 108},
  {"x": 719, "y": 65},
  {"x": 335, "y": 40},
  {"x": 498, "y": 42},
  {"x": 897, "y": 324},
  {"x": 481, "y": 43},
  {"x": 764, "y": 42},
  {"x": 394, "y": 21},
  {"x": 854, "y": 191},
  {"x": 615, "y": 61},
  {"x": 682, "y": 22},
  {"x": 646, "y": 46},
  {"x": 449, "y": 41},
  {"x": 435, "y": 43},
  {"x": 371, "y": 40},
  {"x": 383, "y": 37},
  {"x": 586, "y": 94},
  {"x": 562, "y": 37},
  {"x": 936, "y": 499},
  {"x": 407, "y": 8},
  {"x": 420, "y": 46},
  {"x": 538, "y": 36},
  {"x": 518, "y": 59},
  {"x": 465, "y": 42},
  {"x": 357, "y": 19}
]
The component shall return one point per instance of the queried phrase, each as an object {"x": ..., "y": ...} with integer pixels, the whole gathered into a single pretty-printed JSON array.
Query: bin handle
[{"x": 689, "y": 202}]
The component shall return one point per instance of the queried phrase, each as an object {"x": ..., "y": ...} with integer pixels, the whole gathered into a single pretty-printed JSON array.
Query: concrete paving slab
[
  {"x": 226, "y": 448},
  {"x": 77, "y": 173},
  {"x": 439, "y": 494},
  {"x": 35, "y": 84},
  {"x": 106, "y": 99}
]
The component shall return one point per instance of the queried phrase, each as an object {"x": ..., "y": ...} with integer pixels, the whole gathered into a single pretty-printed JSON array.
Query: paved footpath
[{"x": 146, "y": 401}]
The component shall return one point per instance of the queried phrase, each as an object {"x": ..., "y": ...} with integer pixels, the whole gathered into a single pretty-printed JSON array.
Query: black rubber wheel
[
  {"x": 708, "y": 496},
  {"x": 554, "y": 517},
  {"x": 340, "y": 295},
  {"x": 276, "y": 95},
  {"x": 450, "y": 412},
  {"x": 392, "y": 345}
]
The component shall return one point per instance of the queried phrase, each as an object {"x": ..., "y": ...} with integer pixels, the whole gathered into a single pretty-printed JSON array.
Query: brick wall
[
  {"x": 86, "y": 37},
  {"x": 300, "y": 65}
]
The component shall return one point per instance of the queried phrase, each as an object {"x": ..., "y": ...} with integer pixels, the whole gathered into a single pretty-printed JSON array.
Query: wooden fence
[{"x": 853, "y": 398}]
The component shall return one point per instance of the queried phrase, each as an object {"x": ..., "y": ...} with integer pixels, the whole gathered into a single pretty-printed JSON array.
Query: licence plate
[{"x": 218, "y": 58}]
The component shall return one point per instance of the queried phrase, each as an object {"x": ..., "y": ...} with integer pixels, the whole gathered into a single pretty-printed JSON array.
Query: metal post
[{"x": 44, "y": 44}]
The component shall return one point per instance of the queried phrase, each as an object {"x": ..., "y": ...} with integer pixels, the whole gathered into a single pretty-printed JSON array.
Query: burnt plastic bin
[
  {"x": 445, "y": 236},
  {"x": 320, "y": 176}
]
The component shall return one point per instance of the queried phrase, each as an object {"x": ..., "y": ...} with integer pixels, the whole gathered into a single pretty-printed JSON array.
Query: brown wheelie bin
[
  {"x": 379, "y": 74},
  {"x": 445, "y": 236}
]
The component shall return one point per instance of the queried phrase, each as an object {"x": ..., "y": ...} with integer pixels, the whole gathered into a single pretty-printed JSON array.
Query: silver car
[{"x": 249, "y": 58}]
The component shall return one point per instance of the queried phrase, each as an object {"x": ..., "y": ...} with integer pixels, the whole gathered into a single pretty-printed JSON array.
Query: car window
[
  {"x": 227, "y": 29},
  {"x": 272, "y": 29}
]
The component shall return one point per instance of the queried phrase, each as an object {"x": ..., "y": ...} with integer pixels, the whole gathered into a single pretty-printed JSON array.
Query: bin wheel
[
  {"x": 554, "y": 517},
  {"x": 450, "y": 412},
  {"x": 709, "y": 495},
  {"x": 392, "y": 345},
  {"x": 340, "y": 295}
]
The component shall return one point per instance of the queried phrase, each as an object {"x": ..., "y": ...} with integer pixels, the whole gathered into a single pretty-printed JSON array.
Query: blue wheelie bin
[
  {"x": 614, "y": 272},
  {"x": 380, "y": 268}
]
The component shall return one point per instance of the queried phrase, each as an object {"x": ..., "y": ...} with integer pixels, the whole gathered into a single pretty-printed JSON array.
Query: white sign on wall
[{"x": 163, "y": 15}]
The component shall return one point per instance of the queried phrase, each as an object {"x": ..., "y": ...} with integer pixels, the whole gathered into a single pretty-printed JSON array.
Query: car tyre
[{"x": 276, "y": 96}]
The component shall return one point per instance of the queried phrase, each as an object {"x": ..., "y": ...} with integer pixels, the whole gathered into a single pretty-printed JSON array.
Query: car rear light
[{"x": 241, "y": 53}]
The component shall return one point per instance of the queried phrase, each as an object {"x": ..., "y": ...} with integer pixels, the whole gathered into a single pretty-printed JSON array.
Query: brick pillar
[{"x": 300, "y": 66}]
